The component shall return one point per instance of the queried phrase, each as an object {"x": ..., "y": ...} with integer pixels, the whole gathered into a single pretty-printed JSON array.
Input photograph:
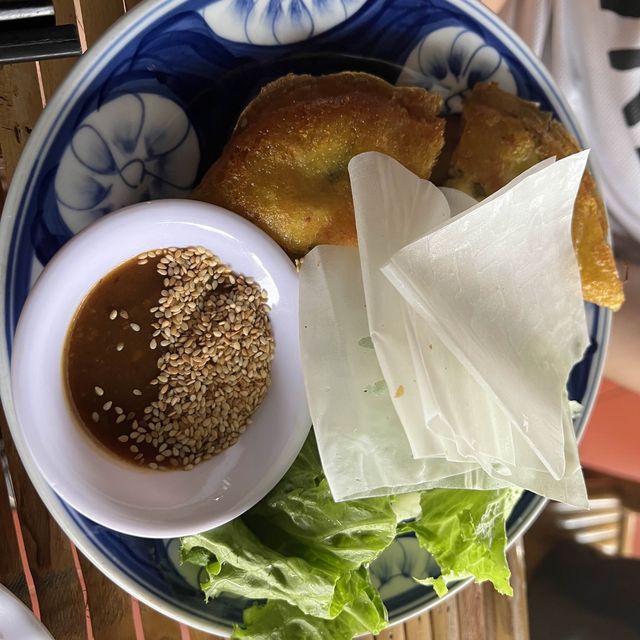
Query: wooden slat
[
  {"x": 49, "y": 555},
  {"x": 11, "y": 573},
  {"x": 109, "y": 606},
  {"x": 419, "y": 628},
  {"x": 444, "y": 621},
  {"x": 507, "y": 618},
  {"x": 489, "y": 594},
  {"x": 20, "y": 106},
  {"x": 471, "y": 612},
  {"x": 393, "y": 633},
  {"x": 194, "y": 634},
  {"x": 53, "y": 72},
  {"x": 158, "y": 627},
  {"x": 93, "y": 17},
  {"x": 518, "y": 608}
]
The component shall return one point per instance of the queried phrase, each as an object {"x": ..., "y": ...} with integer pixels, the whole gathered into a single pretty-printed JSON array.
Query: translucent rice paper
[
  {"x": 362, "y": 444},
  {"x": 475, "y": 321}
]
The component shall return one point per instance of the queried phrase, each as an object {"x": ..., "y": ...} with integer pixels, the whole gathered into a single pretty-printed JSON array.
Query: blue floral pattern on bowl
[
  {"x": 145, "y": 113},
  {"x": 136, "y": 147},
  {"x": 264, "y": 22},
  {"x": 394, "y": 571},
  {"x": 449, "y": 61}
]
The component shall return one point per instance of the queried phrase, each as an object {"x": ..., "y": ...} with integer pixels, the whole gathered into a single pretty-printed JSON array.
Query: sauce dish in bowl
[{"x": 132, "y": 498}]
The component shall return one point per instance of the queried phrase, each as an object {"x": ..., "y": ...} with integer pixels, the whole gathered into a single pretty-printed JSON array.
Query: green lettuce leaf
[
  {"x": 308, "y": 556},
  {"x": 300, "y": 517},
  {"x": 297, "y": 545},
  {"x": 238, "y": 562},
  {"x": 278, "y": 620},
  {"x": 464, "y": 531}
]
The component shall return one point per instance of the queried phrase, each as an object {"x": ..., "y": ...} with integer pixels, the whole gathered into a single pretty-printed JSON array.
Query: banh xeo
[{"x": 285, "y": 166}]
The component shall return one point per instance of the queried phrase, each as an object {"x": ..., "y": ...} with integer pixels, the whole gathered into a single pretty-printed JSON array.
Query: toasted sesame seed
[
  {"x": 99, "y": 391},
  {"x": 123, "y": 438},
  {"x": 215, "y": 367},
  {"x": 95, "y": 416},
  {"x": 124, "y": 314},
  {"x": 120, "y": 346},
  {"x": 113, "y": 315},
  {"x": 118, "y": 410},
  {"x": 107, "y": 405},
  {"x": 121, "y": 418}
]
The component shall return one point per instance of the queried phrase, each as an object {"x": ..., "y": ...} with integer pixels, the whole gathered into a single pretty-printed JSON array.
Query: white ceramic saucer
[{"x": 17, "y": 622}]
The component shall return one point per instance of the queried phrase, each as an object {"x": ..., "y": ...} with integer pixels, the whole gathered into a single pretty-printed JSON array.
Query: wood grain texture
[
  {"x": 507, "y": 618},
  {"x": 518, "y": 606},
  {"x": 20, "y": 106},
  {"x": 49, "y": 555},
  {"x": 393, "y": 633},
  {"x": 11, "y": 573},
  {"x": 444, "y": 621},
  {"x": 53, "y": 72},
  {"x": 96, "y": 16},
  {"x": 109, "y": 606},
  {"x": 419, "y": 628},
  {"x": 195, "y": 634},
  {"x": 471, "y": 612},
  {"x": 157, "y": 626},
  {"x": 488, "y": 593}
]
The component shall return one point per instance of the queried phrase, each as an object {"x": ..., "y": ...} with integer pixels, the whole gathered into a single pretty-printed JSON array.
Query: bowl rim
[{"x": 113, "y": 40}]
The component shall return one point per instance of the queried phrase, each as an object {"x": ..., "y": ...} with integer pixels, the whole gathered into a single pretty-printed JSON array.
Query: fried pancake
[
  {"x": 285, "y": 166},
  {"x": 502, "y": 136}
]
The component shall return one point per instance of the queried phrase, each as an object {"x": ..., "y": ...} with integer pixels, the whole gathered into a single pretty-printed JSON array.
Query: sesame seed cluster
[{"x": 212, "y": 329}]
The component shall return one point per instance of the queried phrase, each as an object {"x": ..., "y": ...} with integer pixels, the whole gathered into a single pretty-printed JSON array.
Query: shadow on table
[
  {"x": 583, "y": 566},
  {"x": 578, "y": 593}
]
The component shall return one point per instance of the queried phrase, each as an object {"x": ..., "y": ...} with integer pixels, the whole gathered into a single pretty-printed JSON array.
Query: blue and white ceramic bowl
[{"x": 144, "y": 114}]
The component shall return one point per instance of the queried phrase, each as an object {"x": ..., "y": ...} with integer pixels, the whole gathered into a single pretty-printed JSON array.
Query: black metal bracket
[{"x": 28, "y": 32}]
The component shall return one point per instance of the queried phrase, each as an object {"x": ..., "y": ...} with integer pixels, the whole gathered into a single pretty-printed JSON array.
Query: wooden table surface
[{"x": 39, "y": 563}]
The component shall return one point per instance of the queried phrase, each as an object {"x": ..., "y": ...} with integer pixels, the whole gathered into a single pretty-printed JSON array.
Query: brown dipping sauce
[
  {"x": 168, "y": 357},
  {"x": 106, "y": 354}
]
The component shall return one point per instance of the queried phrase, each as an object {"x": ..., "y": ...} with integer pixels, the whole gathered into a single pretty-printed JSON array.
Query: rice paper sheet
[{"x": 437, "y": 354}]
